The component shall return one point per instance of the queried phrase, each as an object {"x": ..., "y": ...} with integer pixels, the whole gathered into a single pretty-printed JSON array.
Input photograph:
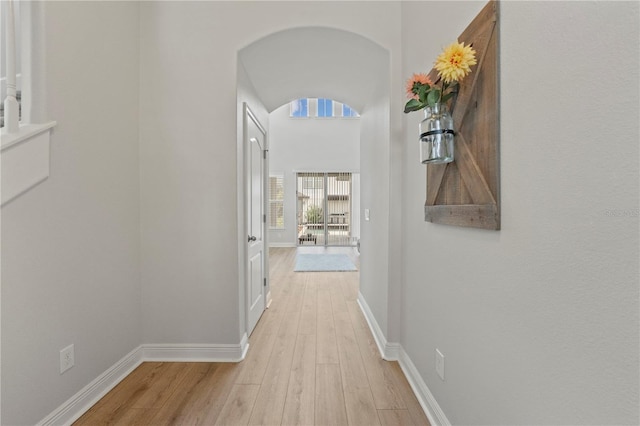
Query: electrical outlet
[
  {"x": 440, "y": 364},
  {"x": 67, "y": 359}
]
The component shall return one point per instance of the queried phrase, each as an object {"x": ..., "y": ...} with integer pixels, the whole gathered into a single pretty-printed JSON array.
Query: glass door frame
[{"x": 301, "y": 211}]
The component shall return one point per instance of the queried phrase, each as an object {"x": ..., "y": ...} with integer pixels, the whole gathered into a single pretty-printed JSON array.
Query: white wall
[
  {"x": 188, "y": 174},
  {"x": 188, "y": 151},
  {"x": 539, "y": 321},
  {"x": 374, "y": 240},
  {"x": 308, "y": 144},
  {"x": 70, "y": 252}
]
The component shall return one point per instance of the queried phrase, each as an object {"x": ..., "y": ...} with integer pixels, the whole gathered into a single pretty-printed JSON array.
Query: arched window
[
  {"x": 300, "y": 108},
  {"x": 325, "y": 108},
  {"x": 320, "y": 108}
]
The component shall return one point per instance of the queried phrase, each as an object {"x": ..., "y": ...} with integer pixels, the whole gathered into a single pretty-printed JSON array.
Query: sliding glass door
[{"x": 324, "y": 209}]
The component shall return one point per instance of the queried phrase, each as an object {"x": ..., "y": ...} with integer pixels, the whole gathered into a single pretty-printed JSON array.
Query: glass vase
[{"x": 436, "y": 135}]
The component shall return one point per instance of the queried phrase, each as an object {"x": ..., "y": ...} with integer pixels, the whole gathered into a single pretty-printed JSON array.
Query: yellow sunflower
[{"x": 455, "y": 62}]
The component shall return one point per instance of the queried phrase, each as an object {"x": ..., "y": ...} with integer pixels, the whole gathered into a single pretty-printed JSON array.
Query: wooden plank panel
[
  {"x": 361, "y": 409},
  {"x": 383, "y": 386},
  {"x": 338, "y": 303},
  {"x": 127, "y": 392},
  {"x": 161, "y": 386},
  {"x": 326, "y": 331},
  {"x": 478, "y": 33},
  {"x": 308, "y": 318},
  {"x": 471, "y": 174},
  {"x": 351, "y": 365},
  {"x": 435, "y": 174},
  {"x": 128, "y": 417},
  {"x": 454, "y": 185},
  {"x": 194, "y": 386},
  {"x": 299, "y": 408},
  {"x": 414, "y": 408},
  {"x": 395, "y": 418},
  {"x": 330, "y": 408},
  {"x": 474, "y": 216},
  {"x": 239, "y": 404},
  {"x": 270, "y": 400},
  {"x": 253, "y": 367},
  {"x": 473, "y": 178},
  {"x": 294, "y": 302},
  {"x": 482, "y": 122},
  {"x": 281, "y": 292},
  {"x": 350, "y": 284},
  {"x": 358, "y": 320},
  {"x": 268, "y": 322},
  {"x": 207, "y": 408},
  {"x": 289, "y": 327},
  {"x": 347, "y": 391}
]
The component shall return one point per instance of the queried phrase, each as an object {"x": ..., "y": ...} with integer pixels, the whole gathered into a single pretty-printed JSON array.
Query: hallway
[{"x": 312, "y": 360}]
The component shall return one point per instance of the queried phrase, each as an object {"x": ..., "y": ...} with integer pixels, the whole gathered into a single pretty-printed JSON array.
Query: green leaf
[
  {"x": 422, "y": 92},
  {"x": 448, "y": 96},
  {"x": 413, "y": 105},
  {"x": 433, "y": 97}
]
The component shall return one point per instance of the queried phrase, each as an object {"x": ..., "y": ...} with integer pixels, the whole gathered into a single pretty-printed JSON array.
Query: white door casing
[{"x": 255, "y": 187}]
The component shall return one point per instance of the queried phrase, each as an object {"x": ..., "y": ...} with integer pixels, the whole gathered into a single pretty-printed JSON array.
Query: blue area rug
[{"x": 323, "y": 263}]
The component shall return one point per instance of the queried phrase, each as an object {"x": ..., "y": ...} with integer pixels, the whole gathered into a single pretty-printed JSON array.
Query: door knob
[{"x": 252, "y": 238}]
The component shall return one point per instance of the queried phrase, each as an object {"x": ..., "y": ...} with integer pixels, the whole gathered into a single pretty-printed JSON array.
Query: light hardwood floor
[{"x": 311, "y": 360}]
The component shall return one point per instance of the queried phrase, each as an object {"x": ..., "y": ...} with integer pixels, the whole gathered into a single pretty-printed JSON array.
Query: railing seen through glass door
[{"x": 324, "y": 208}]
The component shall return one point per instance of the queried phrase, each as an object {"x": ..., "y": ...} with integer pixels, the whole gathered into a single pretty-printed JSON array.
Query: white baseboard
[
  {"x": 395, "y": 352},
  {"x": 388, "y": 351},
  {"x": 195, "y": 353},
  {"x": 282, "y": 245},
  {"x": 77, "y": 405},
  {"x": 425, "y": 397}
]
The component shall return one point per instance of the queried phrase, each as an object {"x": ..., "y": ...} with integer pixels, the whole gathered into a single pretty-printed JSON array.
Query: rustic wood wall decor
[{"x": 467, "y": 191}]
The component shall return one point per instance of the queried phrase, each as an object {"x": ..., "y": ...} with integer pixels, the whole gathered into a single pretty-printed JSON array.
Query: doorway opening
[
  {"x": 352, "y": 77},
  {"x": 324, "y": 209}
]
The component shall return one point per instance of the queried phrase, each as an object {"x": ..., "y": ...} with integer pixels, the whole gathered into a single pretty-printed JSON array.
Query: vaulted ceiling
[{"x": 316, "y": 62}]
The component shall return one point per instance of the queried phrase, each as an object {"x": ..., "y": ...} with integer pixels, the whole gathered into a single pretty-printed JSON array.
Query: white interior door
[{"x": 255, "y": 148}]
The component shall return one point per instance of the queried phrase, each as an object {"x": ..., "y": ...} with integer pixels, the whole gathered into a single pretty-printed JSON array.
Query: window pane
[
  {"x": 325, "y": 108},
  {"x": 276, "y": 215},
  {"x": 276, "y": 202},
  {"x": 347, "y": 111},
  {"x": 299, "y": 108},
  {"x": 312, "y": 182}
]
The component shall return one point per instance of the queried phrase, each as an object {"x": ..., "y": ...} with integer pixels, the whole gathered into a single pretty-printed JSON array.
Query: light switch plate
[{"x": 67, "y": 358}]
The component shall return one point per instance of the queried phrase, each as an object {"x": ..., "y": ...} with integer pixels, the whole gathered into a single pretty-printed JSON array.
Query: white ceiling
[{"x": 316, "y": 62}]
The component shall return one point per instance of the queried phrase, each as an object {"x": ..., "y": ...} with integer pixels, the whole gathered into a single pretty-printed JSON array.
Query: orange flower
[{"x": 415, "y": 82}]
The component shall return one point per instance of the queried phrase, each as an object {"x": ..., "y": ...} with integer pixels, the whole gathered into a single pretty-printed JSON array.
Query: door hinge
[
  {"x": 264, "y": 154},
  {"x": 264, "y": 218},
  {"x": 265, "y": 282}
]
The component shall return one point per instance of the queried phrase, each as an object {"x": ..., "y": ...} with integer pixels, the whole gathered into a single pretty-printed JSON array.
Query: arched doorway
[{"x": 328, "y": 63}]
